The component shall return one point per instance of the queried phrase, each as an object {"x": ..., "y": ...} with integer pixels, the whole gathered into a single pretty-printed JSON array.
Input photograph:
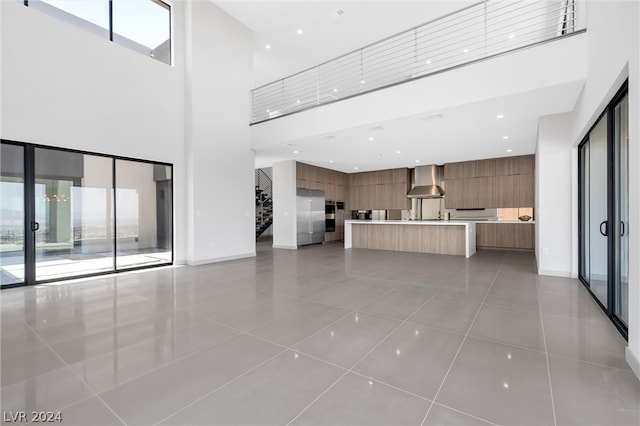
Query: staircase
[{"x": 264, "y": 202}]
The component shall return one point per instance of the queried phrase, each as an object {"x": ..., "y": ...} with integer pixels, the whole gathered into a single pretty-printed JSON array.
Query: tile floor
[{"x": 318, "y": 336}]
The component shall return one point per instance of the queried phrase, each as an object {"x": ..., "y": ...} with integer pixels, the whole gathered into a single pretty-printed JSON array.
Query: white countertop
[
  {"x": 410, "y": 222},
  {"x": 437, "y": 222}
]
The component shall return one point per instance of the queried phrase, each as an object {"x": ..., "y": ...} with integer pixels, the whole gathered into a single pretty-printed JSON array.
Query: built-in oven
[{"x": 330, "y": 216}]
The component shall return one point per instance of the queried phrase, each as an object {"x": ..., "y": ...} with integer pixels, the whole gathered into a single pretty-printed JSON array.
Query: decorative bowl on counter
[{"x": 525, "y": 218}]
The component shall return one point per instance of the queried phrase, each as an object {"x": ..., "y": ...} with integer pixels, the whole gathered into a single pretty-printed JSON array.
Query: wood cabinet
[
  {"x": 515, "y": 191},
  {"x": 491, "y": 183},
  {"x": 454, "y": 193},
  {"x": 505, "y": 235},
  {"x": 521, "y": 165},
  {"x": 379, "y": 190},
  {"x": 462, "y": 170}
]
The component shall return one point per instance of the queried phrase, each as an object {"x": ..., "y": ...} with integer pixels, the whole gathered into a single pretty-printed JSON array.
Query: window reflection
[{"x": 144, "y": 214}]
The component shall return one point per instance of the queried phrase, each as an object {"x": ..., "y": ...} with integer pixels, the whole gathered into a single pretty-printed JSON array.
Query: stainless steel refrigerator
[{"x": 311, "y": 216}]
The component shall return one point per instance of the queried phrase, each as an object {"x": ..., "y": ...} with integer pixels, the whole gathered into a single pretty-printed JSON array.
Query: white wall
[
  {"x": 553, "y": 196},
  {"x": 66, "y": 87},
  {"x": 284, "y": 205},
  {"x": 613, "y": 55},
  {"x": 221, "y": 202}
]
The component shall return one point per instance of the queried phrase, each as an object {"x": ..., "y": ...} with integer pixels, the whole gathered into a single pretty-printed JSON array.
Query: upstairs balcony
[{"x": 475, "y": 33}]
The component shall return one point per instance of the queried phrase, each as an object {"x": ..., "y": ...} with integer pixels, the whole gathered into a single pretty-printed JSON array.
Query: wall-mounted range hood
[{"x": 426, "y": 182}]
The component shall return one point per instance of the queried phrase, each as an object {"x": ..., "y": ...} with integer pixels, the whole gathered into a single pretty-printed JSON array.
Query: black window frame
[
  {"x": 110, "y": 29},
  {"x": 29, "y": 210}
]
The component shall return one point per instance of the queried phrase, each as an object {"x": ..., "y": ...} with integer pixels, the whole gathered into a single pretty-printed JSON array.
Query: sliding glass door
[
  {"x": 60, "y": 218},
  {"x": 73, "y": 213},
  {"x": 621, "y": 210},
  {"x": 12, "y": 221},
  {"x": 604, "y": 210}
]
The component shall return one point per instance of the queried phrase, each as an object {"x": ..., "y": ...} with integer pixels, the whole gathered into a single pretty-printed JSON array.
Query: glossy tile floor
[{"x": 318, "y": 336}]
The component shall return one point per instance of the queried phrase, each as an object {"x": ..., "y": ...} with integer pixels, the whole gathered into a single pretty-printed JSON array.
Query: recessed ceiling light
[
  {"x": 335, "y": 90},
  {"x": 355, "y": 168},
  {"x": 398, "y": 152},
  {"x": 466, "y": 50},
  {"x": 511, "y": 36},
  {"x": 296, "y": 152},
  {"x": 268, "y": 110},
  {"x": 370, "y": 138},
  {"x": 428, "y": 62},
  {"x": 505, "y": 137},
  {"x": 417, "y": 161},
  {"x": 299, "y": 31},
  {"x": 361, "y": 81},
  {"x": 331, "y": 161},
  {"x": 500, "y": 116},
  {"x": 268, "y": 46},
  {"x": 298, "y": 101},
  {"x": 509, "y": 150}
]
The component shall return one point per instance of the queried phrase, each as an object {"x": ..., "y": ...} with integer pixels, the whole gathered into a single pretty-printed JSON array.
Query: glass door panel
[
  {"x": 585, "y": 224},
  {"x": 12, "y": 242},
  {"x": 597, "y": 214},
  {"x": 621, "y": 147},
  {"x": 73, "y": 214},
  {"x": 144, "y": 208}
]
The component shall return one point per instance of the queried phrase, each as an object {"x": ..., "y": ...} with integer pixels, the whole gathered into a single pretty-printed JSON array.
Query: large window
[
  {"x": 141, "y": 25},
  {"x": 68, "y": 214}
]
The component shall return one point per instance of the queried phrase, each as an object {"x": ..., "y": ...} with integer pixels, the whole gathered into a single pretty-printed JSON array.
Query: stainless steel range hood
[{"x": 426, "y": 182}]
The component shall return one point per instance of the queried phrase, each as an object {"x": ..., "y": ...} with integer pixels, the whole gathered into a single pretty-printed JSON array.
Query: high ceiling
[
  {"x": 326, "y": 33},
  {"x": 464, "y": 132}
]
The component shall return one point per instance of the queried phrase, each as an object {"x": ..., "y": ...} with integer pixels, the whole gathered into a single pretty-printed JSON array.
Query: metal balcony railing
[{"x": 479, "y": 31}]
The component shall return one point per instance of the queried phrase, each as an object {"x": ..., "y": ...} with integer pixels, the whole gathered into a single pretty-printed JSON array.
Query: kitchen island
[{"x": 417, "y": 236}]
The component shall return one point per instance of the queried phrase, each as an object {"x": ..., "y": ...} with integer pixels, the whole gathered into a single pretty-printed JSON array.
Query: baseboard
[
  {"x": 632, "y": 360},
  {"x": 553, "y": 273},
  {"x": 278, "y": 246},
  {"x": 220, "y": 259}
]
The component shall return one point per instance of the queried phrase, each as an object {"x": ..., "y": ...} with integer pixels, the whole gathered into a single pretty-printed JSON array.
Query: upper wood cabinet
[
  {"x": 486, "y": 167},
  {"x": 379, "y": 190},
  {"x": 521, "y": 165},
  {"x": 491, "y": 183},
  {"x": 332, "y": 182},
  {"x": 466, "y": 169}
]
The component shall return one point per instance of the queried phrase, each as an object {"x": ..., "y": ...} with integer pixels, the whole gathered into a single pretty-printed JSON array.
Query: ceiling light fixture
[
  {"x": 296, "y": 152},
  {"x": 511, "y": 36},
  {"x": 299, "y": 31},
  {"x": 428, "y": 62},
  {"x": 268, "y": 46},
  {"x": 361, "y": 81},
  {"x": 355, "y": 168},
  {"x": 509, "y": 150},
  {"x": 417, "y": 161},
  {"x": 466, "y": 50},
  {"x": 335, "y": 90},
  {"x": 398, "y": 152},
  {"x": 505, "y": 137},
  {"x": 500, "y": 116},
  {"x": 298, "y": 101},
  {"x": 370, "y": 138},
  {"x": 331, "y": 161}
]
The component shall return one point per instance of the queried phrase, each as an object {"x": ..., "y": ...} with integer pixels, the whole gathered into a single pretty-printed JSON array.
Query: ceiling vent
[
  {"x": 432, "y": 117},
  {"x": 335, "y": 14}
]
